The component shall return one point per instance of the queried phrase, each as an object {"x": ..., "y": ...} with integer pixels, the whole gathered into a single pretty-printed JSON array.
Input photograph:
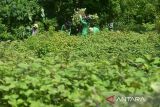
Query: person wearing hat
[{"x": 34, "y": 29}]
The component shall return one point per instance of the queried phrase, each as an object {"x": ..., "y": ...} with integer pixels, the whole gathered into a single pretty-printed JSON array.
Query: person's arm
[
  {"x": 82, "y": 21},
  {"x": 70, "y": 31},
  {"x": 62, "y": 28}
]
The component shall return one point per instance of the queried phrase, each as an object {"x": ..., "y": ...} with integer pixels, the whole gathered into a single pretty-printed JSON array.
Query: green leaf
[
  {"x": 20, "y": 101},
  {"x": 4, "y": 88},
  {"x": 6, "y": 97},
  {"x": 140, "y": 60},
  {"x": 144, "y": 79},
  {"x": 53, "y": 91},
  {"x": 156, "y": 60},
  {"x": 37, "y": 104},
  {"x": 14, "y": 96},
  {"x": 23, "y": 86},
  {"x": 35, "y": 66},
  {"x": 23, "y": 65},
  {"x": 131, "y": 89},
  {"x": 156, "y": 86},
  {"x": 13, "y": 102},
  {"x": 9, "y": 79},
  {"x": 148, "y": 57},
  {"x": 129, "y": 80},
  {"x": 29, "y": 92},
  {"x": 61, "y": 88},
  {"x": 94, "y": 77}
]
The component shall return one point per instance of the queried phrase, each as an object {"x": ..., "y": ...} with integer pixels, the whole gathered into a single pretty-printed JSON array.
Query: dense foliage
[
  {"x": 53, "y": 69},
  {"x": 17, "y": 17},
  {"x": 57, "y": 70}
]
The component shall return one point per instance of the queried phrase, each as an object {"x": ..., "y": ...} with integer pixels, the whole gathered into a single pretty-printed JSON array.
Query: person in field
[
  {"x": 34, "y": 29},
  {"x": 67, "y": 27},
  {"x": 85, "y": 25}
]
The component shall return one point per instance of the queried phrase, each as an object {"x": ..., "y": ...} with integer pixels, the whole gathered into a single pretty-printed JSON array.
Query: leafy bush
[
  {"x": 6, "y": 36},
  {"x": 46, "y": 82},
  {"x": 2, "y": 27},
  {"x": 53, "y": 69},
  {"x": 18, "y": 14},
  {"x": 158, "y": 26},
  {"x": 22, "y": 32},
  {"x": 50, "y": 24},
  {"x": 149, "y": 26},
  {"x": 19, "y": 11}
]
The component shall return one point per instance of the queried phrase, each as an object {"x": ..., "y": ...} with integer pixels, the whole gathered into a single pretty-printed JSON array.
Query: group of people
[{"x": 85, "y": 30}]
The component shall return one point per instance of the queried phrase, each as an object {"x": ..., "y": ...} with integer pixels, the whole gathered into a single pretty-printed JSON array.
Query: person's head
[
  {"x": 90, "y": 29},
  {"x": 35, "y": 26}
]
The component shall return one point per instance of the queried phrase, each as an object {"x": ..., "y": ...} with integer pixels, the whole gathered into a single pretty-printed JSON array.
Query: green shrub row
[
  {"x": 56, "y": 70},
  {"x": 52, "y": 82}
]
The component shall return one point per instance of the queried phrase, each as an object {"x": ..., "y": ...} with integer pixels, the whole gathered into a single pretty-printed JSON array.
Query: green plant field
[{"x": 57, "y": 70}]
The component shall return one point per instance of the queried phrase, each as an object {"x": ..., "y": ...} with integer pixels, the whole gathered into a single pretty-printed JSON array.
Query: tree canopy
[{"x": 22, "y": 13}]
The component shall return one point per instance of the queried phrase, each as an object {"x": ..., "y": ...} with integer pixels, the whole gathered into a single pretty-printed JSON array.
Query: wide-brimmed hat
[{"x": 35, "y": 25}]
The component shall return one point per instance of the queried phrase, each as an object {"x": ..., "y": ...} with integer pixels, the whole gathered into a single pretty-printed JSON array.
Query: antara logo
[{"x": 113, "y": 99}]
